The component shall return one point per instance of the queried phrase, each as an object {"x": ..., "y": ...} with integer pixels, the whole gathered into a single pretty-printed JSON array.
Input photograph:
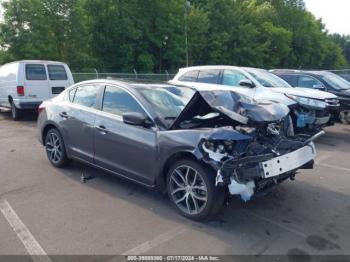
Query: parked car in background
[
  {"x": 321, "y": 80},
  {"x": 198, "y": 147},
  {"x": 26, "y": 84},
  {"x": 310, "y": 109}
]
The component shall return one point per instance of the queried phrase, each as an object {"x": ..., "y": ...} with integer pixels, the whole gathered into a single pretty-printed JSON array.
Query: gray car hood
[{"x": 233, "y": 106}]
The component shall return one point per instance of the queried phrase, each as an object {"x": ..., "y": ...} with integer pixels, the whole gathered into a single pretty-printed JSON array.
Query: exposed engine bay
[{"x": 251, "y": 146}]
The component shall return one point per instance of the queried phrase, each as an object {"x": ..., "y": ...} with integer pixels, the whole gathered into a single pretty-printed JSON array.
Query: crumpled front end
[{"x": 257, "y": 161}]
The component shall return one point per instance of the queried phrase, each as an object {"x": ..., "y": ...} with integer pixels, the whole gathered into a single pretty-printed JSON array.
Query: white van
[{"x": 25, "y": 84}]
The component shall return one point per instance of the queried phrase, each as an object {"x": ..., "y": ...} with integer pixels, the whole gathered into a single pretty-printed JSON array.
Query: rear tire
[
  {"x": 344, "y": 117},
  {"x": 15, "y": 112},
  {"x": 191, "y": 189},
  {"x": 55, "y": 149}
]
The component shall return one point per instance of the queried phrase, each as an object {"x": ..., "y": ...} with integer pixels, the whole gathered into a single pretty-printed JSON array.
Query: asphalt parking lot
[{"x": 107, "y": 215}]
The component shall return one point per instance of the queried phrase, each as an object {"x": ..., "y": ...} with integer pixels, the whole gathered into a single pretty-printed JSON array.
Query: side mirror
[
  {"x": 319, "y": 87},
  {"x": 247, "y": 83},
  {"x": 136, "y": 119}
]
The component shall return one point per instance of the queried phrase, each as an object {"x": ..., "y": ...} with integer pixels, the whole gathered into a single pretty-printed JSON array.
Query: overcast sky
[{"x": 335, "y": 14}]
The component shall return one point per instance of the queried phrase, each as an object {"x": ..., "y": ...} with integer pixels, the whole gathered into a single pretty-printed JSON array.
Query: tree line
[{"x": 158, "y": 35}]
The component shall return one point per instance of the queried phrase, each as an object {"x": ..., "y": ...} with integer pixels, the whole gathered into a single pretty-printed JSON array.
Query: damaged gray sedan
[{"x": 199, "y": 147}]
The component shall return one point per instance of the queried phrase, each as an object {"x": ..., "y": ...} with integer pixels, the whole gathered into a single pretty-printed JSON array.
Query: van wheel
[
  {"x": 191, "y": 189},
  {"x": 16, "y": 113}
]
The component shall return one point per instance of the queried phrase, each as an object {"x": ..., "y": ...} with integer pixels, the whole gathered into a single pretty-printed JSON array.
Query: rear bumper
[{"x": 29, "y": 105}]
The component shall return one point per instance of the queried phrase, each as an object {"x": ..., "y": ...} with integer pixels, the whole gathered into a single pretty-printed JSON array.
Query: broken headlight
[
  {"x": 274, "y": 129},
  {"x": 219, "y": 146},
  {"x": 308, "y": 101},
  {"x": 217, "y": 149}
]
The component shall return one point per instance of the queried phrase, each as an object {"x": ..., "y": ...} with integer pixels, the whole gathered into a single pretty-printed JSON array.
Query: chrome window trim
[{"x": 132, "y": 95}]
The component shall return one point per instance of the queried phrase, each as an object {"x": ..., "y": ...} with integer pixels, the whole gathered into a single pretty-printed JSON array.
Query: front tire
[
  {"x": 15, "y": 112},
  {"x": 55, "y": 149},
  {"x": 191, "y": 189}
]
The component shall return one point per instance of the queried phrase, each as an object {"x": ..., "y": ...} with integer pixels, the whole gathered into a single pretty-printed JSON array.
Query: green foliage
[{"x": 149, "y": 35}]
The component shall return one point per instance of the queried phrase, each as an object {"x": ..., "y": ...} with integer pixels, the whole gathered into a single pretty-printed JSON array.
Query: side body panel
[
  {"x": 125, "y": 149},
  {"x": 9, "y": 75}
]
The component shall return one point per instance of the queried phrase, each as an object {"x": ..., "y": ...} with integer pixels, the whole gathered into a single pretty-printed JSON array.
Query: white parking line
[
  {"x": 144, "y": 247},
  {"x": 325, "y": 156},
  {"x": 335, "y": 167},
  {"x": 32, "y": 246}
]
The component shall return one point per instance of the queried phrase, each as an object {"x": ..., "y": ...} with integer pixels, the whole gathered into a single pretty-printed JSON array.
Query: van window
[
  {"x": 57, "y": 72},
  {"x": 35, "y": 72},
  {"x": 209, "y": 76},
  {"x": 190, "y": 76}
]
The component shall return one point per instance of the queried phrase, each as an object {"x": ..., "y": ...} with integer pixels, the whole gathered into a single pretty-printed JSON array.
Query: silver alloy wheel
[
  {"x": 54, "y": 148},
  {"x": 188, "y": 190}
]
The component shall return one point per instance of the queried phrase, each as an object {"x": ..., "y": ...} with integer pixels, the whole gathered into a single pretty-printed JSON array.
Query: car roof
[
  {"x": 296, "y": 71},
  {"x": 184, "y": 69},
  {"x": 36, "y": 62},
  {"x": 132, "y": 83},
  {"x": 219, "y": 67}
]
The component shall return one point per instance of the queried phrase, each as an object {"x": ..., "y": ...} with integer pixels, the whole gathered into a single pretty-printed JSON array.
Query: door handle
[
  {"x": 103, "y": 130},
  {"x": 63, "y": 115}
]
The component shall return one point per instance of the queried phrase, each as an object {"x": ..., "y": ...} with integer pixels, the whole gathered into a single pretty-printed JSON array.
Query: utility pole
[
  {"x": 187, "y": 9},
  {"x": 163, "y": 45}
]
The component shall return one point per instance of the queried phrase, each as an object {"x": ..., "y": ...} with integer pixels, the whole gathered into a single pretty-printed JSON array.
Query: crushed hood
[
  {"x": 304, "y": 92},
  {"x": 233, "y": 106}
]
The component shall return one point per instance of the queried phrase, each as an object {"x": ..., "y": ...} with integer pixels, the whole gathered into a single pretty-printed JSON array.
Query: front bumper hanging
[{"x": 249, "y": 175}]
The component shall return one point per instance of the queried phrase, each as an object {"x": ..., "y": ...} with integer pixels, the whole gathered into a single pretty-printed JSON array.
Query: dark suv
[{"x": 322, "y": 80}]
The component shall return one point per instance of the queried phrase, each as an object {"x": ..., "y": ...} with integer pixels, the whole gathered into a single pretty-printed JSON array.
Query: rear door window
[
  {"x": 57, "y": 72},
  {"x": 35, "y": 72},
  {"x": 86, "y": 95},
  {"x": 190, "y": 76},
  {"x": 209, "y": 76}
]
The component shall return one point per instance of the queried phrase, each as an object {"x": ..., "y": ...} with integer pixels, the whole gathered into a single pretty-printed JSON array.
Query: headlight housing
[
  {"x": 308, "y": 102},
  {"x": 217, "y": 149}
]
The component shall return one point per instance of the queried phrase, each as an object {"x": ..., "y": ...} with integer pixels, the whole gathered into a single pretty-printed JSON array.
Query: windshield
[
  {"x": 168, "y": 102},
  {"x": 336, "y": 81},
  {"x": 267, "y": 79}
]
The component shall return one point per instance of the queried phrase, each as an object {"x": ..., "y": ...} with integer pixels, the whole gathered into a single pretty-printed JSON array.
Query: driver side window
[
  {"x": 117, "y": 101},
  {"x": 232, "y": 78}
]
